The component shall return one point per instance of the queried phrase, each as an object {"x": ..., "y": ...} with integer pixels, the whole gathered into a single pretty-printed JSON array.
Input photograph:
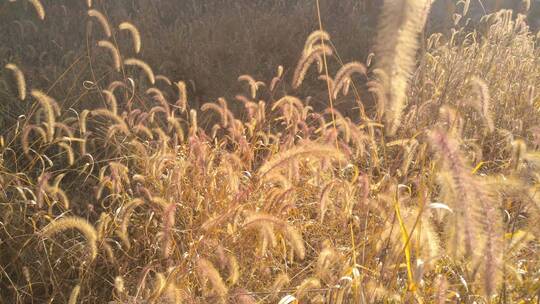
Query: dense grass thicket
[{"x": 360, "y": 157}]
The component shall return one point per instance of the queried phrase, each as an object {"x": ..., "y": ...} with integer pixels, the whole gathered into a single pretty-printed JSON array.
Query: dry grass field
[{"x": 269, "y": 151}]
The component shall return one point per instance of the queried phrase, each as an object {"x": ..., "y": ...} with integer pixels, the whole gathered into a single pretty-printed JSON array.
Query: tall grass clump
[{"x": 120, "y": 184}]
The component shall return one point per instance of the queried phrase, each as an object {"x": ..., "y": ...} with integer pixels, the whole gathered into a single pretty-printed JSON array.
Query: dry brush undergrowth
[{"x": 427, "y": 193}]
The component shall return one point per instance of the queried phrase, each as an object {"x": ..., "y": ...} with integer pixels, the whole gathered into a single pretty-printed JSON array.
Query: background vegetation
[{"x": 250, "y": 152}]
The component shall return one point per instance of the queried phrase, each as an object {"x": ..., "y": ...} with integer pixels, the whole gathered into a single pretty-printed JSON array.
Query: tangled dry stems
[{"x": 276, "y": 200}]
